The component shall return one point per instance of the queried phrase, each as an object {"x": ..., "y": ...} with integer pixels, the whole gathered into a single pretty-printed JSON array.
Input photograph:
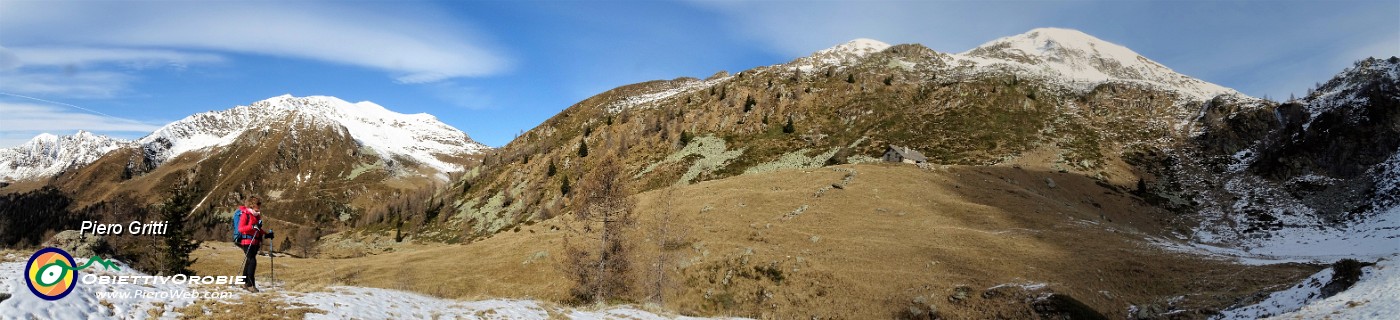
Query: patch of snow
[
  {"x": 1375, "y": 296},
  {"x": 648, "y": 100},
  {"x": 1387, "y": 175},
  {"x": 1028, "y": 286},
  {"x": 1284, "y": 300},
  {"x": 84, "y": 302},
  {"x": 1242, "y": 160},
  {"x": 341, "y": 302},
  {"x": 1374, "y": 238},
  {"x": 373, "y": 303}
]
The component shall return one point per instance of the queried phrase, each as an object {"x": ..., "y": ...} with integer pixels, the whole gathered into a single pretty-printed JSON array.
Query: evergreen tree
[
  {"x": 552, "y": 170},
  {"x": 564, "y": 186},
  {"x": 788, "y": 128},
  {"x": 179, "y": 236},
  {"x": 582, "y": 148}
]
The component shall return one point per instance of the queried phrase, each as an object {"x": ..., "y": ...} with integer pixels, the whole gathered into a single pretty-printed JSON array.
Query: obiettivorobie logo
[{"x": 52, "y": 274}]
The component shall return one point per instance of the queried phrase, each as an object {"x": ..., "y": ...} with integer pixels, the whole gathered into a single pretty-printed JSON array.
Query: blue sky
[{"x": 496, "y": 68}]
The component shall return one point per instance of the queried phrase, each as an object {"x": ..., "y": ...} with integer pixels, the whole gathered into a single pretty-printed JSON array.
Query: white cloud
[
  {"x": 72, "y": 83},
  {"x": 414, "y": 46},
  {"x": 82, "y": 56},
  {"x": 29, "y": 117}
]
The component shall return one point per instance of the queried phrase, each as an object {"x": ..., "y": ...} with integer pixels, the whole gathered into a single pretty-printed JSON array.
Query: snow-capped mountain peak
[
  {"x": 840, "y": 55},
  {"x": 420, "y": 137},
  {"x": 859, "y": 47},
  {"x": 47, "y": 154},
  {"x": 1083, "y": 58},
  {"x": 1059, "y": 44}
]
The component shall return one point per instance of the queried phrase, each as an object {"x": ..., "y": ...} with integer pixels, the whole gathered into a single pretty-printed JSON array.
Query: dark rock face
[
  {"x": 1354, "y": 126},
  {"x": 1323, "y": 149}
]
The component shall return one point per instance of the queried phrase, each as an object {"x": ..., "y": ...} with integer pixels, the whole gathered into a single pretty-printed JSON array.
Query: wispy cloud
[
  {"x": 71, "y": 83},
  {"x": 71, "y": 57},
  {"x": 23, "y": 121},
  {"x": 414, "y": 47}
]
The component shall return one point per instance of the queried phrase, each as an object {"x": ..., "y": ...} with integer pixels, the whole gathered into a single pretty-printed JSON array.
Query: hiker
[{"x": 249, "y": 237}]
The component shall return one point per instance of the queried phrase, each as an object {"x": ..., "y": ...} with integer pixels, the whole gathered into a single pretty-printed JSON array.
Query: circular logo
[{"x": 50, "y": 273}]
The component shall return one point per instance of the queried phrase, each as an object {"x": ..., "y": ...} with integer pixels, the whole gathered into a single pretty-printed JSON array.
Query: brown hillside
[
  {"x": 789, "y": 244},
  {"x": 781, "y": 117},
  {"x": 314, "y": 176}
]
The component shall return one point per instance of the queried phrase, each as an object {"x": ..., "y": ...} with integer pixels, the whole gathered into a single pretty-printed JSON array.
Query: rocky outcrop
[{"x": 77, "y": 244}]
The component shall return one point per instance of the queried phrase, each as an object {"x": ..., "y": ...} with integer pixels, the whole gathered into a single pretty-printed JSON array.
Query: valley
[
  {"x": 1050, "y": 175},
  {"x": 774, "y": 245}
]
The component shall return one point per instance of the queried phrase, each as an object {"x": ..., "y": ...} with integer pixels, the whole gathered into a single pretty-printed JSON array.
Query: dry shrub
[{"x": 597, "y": 253}]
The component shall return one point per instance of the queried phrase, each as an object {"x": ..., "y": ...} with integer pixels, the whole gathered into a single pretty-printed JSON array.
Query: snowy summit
[
  {"x": 420, "y": 137},
  {"x": 840, "y": 55},
  {"x": 1084, "y": 58},
  {"x": 48, "y": 154}
]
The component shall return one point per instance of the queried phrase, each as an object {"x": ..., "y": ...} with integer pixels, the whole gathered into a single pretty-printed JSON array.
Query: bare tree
[
  {"x": 668, "y": 234},
  {"x": 598, "y": 261}
]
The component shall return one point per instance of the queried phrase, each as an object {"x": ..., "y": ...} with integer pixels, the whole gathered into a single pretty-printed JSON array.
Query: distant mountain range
[
  {"x": 47, "y": 155},
  {"x": 419, "y": 138}
]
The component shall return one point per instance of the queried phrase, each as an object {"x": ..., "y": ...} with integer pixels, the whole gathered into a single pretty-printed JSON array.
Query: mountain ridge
[
  {"x": 47, "y": 154},
  {"x": 418, "y": 138}
]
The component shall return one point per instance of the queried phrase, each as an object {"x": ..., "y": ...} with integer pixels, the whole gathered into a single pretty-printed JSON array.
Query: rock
[
  {"x": 960, "y": 293},
  {"x": 1345, "y": 273},
  {"x": 920, "y": 308},
  {"x": 77, "y": 244},
  {"x": 1062, "y": 306},
  {"x": 4, "y": 296},
  {"x": 1050, "y": 182}
]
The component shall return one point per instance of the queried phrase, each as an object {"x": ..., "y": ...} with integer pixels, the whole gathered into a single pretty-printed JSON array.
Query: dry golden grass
[
  {"x": 251, "y": 306},
  {"x": 865, "y": 250}
]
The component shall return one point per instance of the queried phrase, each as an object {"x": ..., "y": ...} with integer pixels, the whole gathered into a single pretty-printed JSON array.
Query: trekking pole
[
  {"x": 272, "y": 258},
  {"x": 244, "y": 266}
]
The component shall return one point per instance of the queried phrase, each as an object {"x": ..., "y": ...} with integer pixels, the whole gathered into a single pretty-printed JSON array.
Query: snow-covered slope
[
  {"x": 842, "y": 54},
  {"x": 1082, "y": 58},
  {"x": 420, "y": 137},
  {"x": 47, "y": 154},
  {"x": 1375, "y": 296}
]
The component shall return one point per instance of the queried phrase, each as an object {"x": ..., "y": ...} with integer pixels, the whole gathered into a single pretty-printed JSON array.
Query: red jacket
[{"x": 247, "y": 223}]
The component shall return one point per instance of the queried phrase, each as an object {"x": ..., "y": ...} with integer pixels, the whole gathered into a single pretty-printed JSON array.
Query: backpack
[{"x": 238, "y": 236}]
